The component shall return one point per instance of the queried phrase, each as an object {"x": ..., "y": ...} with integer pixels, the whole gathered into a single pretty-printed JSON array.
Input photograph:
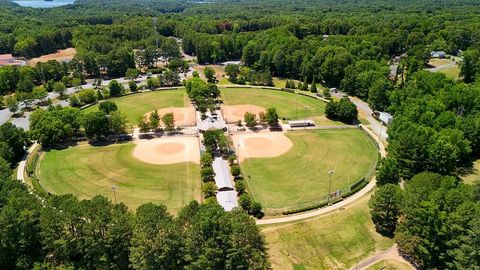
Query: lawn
[
  {"x": 334, "y": 241},
  {"x": 137, "y": 105},
  {"x": 299, "y": 177},
  {"x": 474, "y": 175},
  {"x": 86, "y": 171},
  {"x": 389, "y": 265},
  {"x": 285, "y": 102}
]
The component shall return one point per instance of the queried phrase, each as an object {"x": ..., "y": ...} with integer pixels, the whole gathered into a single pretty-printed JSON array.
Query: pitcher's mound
[
  {"x": 232, "y": 114},
  {"x": 182, "y": 116},
  {"x": 168, "y": 150},
  {"x": 258, "y": 145}
]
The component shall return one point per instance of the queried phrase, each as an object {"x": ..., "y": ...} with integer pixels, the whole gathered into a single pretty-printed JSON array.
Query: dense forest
[{"x": 345, "y": 44}]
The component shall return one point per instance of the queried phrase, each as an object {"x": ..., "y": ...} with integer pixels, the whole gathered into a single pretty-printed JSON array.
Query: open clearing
[
  {"x": 168, "y": 150},
  {"x": 299, "y": 177},
  {"x": 474, "y": 175},
  {"x": 136, "y": 106},
  {"x": 61, "y": 56},
  {"x": 86, "y": 171},
  {"x": 389, "y": 265},
  {"x": 261, "y": 145},
  {"x": 337, "y": 240},
  {"x": 285, "y": 102}
]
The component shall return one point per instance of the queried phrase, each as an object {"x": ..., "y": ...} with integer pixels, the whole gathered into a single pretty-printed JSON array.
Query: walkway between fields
[{"x": 389, "y": 254}]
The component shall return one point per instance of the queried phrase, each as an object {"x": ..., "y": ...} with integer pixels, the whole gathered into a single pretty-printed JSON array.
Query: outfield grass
[
  {"x": 137, "y": 105},
  {"x": 299, "y": 177},
  {"x": 389, "y": 265},
  {"x": 334, "y": 241},
  {"x": 285, "y": 102},
  {"x": 86, "y": 171}
]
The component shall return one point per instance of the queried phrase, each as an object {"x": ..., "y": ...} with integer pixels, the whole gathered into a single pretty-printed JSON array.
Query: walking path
[
  {"x": 389, "y": 254},
  {"x": 23, "y": 163}
]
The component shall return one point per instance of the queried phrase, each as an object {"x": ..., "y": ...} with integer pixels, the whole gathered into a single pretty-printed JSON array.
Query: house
[{"x": 438, "y": 54}]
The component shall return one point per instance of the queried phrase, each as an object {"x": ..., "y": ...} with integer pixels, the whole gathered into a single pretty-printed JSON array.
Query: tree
[
  {"x": 206, "y": 159},
  {"x": 343, "y": 110},
  {"x": 132, "y": 73},
  {"x": 153, "y": 83},
  {"x": 117, "y": 122},
  {"x": 209, "y": 189},
  {"x": 169, "y": 121},
  {"x": 388, "y": 172},
  {"x": 115, "y": 88},
  {"x": 16, "y": 138},
  {"x": 207, "y": 174},
  {"x": 256, "y": 210},
  {"x": 143, "y": 125},
  {"x": 154, "y": 119},
  {"x": 326, "y": 93},
  {"x": 385, "y": 207},
  {"x": 313, "y": 88},
  {"x": 250, "y": 119},
  {"x": 378, "y": 94},
  {"x": 156, "y": 242},
  {"x": 96, "y": 125},
  {"x": 235, "y": 171},
  {"x": 245, "y": 202},
  {"x": 12, "y": 104},
  {"x": 59, "y": 88},
  {"x": 209, "y": 74},
  {"x": 272, "y": 117},
  {"x": 132, "y": 85},
  {"x": 107, "y": 106},
  {"x": 240, "y": 187}
]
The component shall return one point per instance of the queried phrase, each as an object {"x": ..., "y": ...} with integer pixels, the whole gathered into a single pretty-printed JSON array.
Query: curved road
[{"x": 373, "y": 123}]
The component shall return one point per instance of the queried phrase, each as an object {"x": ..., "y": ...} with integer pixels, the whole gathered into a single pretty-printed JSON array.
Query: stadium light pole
[
  {"x": 330, "y": 174},
  {"x": 114, "y": 188}
]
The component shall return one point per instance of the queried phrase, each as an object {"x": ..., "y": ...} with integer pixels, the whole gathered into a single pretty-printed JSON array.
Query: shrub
[
  {"x": 240, "y": 187},
  {"x": 232, "y": 159},
  {"x": 209, "y": 189},
  {"x": 206, "y": 160},
  {"x": 236, "y": 171},
  {"x": 256, "y": 210},
  {"x": 245, "y": 202},
  {"x": 207, "y": 174}
]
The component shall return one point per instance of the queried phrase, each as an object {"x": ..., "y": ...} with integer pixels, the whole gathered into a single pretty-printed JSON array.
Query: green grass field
[
  {"x": 86, "y": 171},
  {"x": 299, "y": 177},
  {"x": 334, "y": 241},
  {"x": 284, "y": 102},
  {"x": 137, "y": 105},
  {"x": 389, "y": 265}
]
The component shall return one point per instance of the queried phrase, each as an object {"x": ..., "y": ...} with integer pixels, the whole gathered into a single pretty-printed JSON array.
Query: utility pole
[
  {"x": 330, "y": 173},
  {"x": 114, "y": 188}
]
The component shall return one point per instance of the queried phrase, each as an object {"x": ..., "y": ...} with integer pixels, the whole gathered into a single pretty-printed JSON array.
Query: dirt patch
[
  {"x": 261, "y": 145},
  {"x": 232, "y": 114},
  {"x": 61, "y": 56},
  {"x": 183, "y": 116},
  {"x": 168, "y": 150}
]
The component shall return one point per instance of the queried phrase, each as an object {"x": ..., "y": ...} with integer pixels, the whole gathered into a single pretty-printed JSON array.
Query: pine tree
[
  {"x": 300, "y": 86},
  {"x": 313, "y": 88},
  {"x": 305, "y": 85}
]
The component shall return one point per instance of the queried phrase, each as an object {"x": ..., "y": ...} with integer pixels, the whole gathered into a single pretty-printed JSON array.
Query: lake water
[{"x": 43, "y": 4}]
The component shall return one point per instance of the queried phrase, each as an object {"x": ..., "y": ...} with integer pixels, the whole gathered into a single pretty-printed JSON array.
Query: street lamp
[
  {"x": 114, "y": 188},
  {"x": 330, "y": 174}
]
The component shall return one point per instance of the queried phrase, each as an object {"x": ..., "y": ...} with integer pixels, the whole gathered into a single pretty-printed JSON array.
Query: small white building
[
  {"x": 385, "y": 118},
  {"x": 301, "y": 123}
]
